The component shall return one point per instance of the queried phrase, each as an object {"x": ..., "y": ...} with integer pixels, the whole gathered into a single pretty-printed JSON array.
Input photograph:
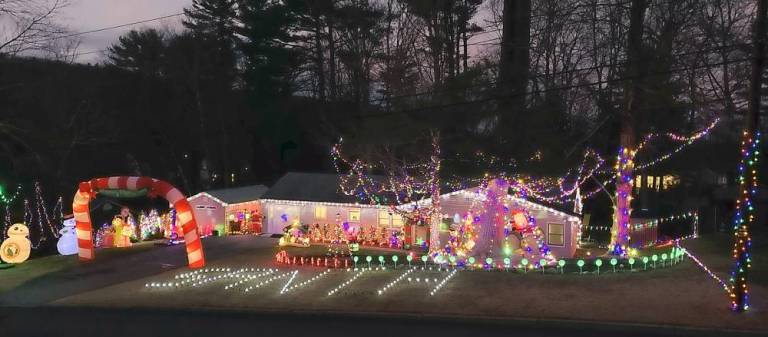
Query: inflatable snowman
[
  {"x": 67, "y": 244},
  {"x": 17, "y": 247}
]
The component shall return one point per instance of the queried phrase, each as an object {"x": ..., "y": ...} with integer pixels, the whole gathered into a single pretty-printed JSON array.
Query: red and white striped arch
[{"x": 155, "y": 188}]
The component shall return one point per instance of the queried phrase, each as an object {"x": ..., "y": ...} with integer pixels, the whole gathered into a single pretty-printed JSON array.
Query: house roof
[
  {"x": 320, "y": 187},
  {"x": 324, "y": 187},
  {"x": 236, "y": 195}
]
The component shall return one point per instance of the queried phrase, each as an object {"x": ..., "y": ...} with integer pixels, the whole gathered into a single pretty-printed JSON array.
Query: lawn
[{"x": 680, "y": 295}]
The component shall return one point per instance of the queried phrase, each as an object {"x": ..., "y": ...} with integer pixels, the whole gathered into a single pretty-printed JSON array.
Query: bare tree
[{"x": 29, "y": 25}]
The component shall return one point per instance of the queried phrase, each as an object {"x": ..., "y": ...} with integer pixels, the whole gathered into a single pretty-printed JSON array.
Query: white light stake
[
  {"x": 507, "y": 261},
  {"x": 542, "y": 264},
  {"x": 598, "y": 263},
  {"x": 580, "y": 263},
  {"x": 663, "y": 259},
  {"x": 654, "y": 258},
  {"x": 561, "y": 264},
  {"x": 394, "y": 259},
  {"x": 409, "y": 258},
  {"x": 355, "y": 258},
  {"x": 524, "y": 262},
  {"x": 381, "y": 261},
  {"x": 645, "y": 263},
  {"x": 631, "y": 262},
  {"x": 369, "y": 259},
  {"x": 613, "y": 263},
  {"x": 424, "y": 259}
]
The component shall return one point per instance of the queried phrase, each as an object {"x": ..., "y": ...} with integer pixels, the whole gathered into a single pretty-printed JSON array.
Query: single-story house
[
  {"x": 229, "y": 211},
  {"x": 315, "y": 199}
]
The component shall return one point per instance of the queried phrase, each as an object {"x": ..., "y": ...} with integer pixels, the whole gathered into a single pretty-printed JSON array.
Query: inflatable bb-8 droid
[{"x": 17, "y": 247}]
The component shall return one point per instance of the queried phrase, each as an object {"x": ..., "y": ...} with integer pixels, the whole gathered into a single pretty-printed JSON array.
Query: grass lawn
[{"x": 680, "y": 295}]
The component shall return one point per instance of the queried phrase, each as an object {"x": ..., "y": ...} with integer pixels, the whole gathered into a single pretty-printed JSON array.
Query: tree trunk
[
  {"x": 745, "y": 206},
  {"x": 623, "y": 211},
  {"x": 515, "y": 57},
  {"x": 331, "y": 61},
  {"x": 319, "y": 68}
]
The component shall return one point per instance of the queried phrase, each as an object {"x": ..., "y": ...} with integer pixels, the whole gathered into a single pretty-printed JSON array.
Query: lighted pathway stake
[
  {"x": 394, "y": 282},
  {"x": 654, "y": 258},
  {"x": 369, "y": 259},
  {"x": 266, "y": 282},
  {"x": 613, "y": 264},
  {"x": 598, "y": 263},
  {"x": 290, "y": 280},
  {"x": 442, "y": 283},
  {"x": 409, "y": 257},
  {"x": 645, "y": 263},
  {"x": 247, "y": 278},
  {"x": 394, "y": 259},
  {"x": 524, "y": 262},
  {"x": 355, "y": 258},
  {"x": 631, "y": 262},
  {"x": 424, "y": 259},
  {"x": 663, "y": 259},
  {"x": 381, "y": 261},
  {"x": 542, "y": 264},
  {"x": 507, "y": 261},
  {"x": 346, "y": 283},
  {"x": 307, "y": 282},
  {"x": 580, "y": 263},
  {"x": 561, "y": 264}
]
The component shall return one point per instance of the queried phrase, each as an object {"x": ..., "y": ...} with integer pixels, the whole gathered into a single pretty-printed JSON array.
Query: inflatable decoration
[
  {"x": 67, "y": 244},
  {"x": 17, "y": 247},
  {"x": 295, "y": 236}
]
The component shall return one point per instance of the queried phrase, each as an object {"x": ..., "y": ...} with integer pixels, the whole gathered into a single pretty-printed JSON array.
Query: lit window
[
  {"x": 383, "y": 218},
  {"x": 321, "y": 212},
  {"x": 658, "y": 183},
  {"x": 649, "y": 182},
  {"x": 555, "y": 234},
  {"x": 638, "y": 181},
  {"x": 397, "y": 220},
  {"x": 354, "y": 215}
]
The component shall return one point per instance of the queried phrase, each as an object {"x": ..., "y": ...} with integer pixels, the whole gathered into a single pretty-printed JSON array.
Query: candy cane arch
[{"x": 155, "y": 188}]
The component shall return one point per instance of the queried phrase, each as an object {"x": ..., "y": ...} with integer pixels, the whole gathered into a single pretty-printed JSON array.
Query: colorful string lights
[{"x": 745, "y": 216}]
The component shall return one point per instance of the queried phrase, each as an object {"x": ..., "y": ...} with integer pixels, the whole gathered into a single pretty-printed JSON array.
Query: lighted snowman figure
[
  {"x": 17, "y": 247},
  {"x": 67, "y": 244}
]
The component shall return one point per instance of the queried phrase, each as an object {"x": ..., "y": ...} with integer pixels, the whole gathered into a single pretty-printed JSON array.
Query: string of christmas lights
[
  {"x": 745, "y": 216},
  {"x": 685, "y": 140}
]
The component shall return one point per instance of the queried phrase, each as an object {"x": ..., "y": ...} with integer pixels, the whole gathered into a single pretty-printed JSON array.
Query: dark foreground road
[{"x": 67, "y": 321}]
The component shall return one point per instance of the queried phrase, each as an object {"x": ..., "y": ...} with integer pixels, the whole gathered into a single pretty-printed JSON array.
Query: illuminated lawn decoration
[
  {"x": 267, "y": 281},
  {"x": 443, "y": 282},
  {"x": 561, "y": 265},
  {"x": 346, "y": 283},
  {"x": 305, "y": 283},
  {"x": 17, "y": 247},
  {"x": 290, "y": 280},
  {"x": 395, "y": 281},
  {"x": 249, "y": 278}
]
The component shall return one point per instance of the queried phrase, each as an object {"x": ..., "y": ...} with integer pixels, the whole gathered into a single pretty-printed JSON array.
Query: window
[
  {"x": 321, "y": 212},
  {"x": 555, "y": 234},
  {"x": 354, "y": 215},
  {"x": 397, "y": 220},
  {"x": 384, "y": 218}
]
